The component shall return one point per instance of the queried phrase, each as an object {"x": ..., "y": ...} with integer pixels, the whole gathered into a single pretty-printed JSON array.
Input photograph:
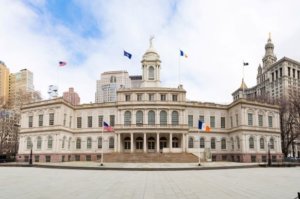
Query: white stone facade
[{"x": 149, "y": 119}]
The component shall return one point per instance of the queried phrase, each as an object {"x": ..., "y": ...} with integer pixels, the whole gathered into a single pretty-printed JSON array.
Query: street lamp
[
  {"x": 269, "y": 155},
  {"x": 30, "y": 156}
]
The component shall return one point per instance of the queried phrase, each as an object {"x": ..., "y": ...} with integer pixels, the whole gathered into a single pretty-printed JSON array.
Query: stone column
[
  {"x": 144, "y": 143},
  {"x": 157, "y": 142},
  {"x": 131, "y": 143},
  {"x": 116, "y": 141},
  {"x": 170, "y": 142},
  {"x": 183, "y": 142},
  {"x": 119, "y": 142}
]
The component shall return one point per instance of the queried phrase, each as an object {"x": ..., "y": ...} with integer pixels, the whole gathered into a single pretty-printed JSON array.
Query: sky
[{"x": 218, "y": 36}]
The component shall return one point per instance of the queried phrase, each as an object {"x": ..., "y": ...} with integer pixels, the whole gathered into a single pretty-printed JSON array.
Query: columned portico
[
  {"x": 131, "y": 143},
  {"x": 170, "y": 143},
  {"x": 157, "y": 142},
  {"x": 145, "y": 146}
]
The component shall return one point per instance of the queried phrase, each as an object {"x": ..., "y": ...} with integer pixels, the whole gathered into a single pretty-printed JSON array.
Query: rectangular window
[
  {"x": 298, "y": 74},
  {"x": 51, "y": 119},
  {"x": 223, "y": 122},
  {"x": 272, "y": 77},
  {"x": 139, "y": 97},
  {"x": 237, "y": 119},
  {"x": 289, "y": 71},
  {"x": 231, "y": 122},
  {"x": 270, "y": 121},
  {"x": 112, "y": 120},
  {"x": 151, "y": 97},
  {"x": 78, "y": 122},
  {"x": 36, "y": 158},
  {"x": 41, "y": 117},
  {"x": 280, "y": 72},
  {"x": 260, "y": 120},
  {"x": 276, "y": 74},
  {"x": 70, "y": 122},
  {"x": 250, "y": 119},
  {"x": 190, "y": 121},
  {"x": 100, "y": 120},
  {"x": 174, "y": 98},
  {"x": 212, "y": 121},
  {"x": 294, "y": 73},
  {"x": 65, "y": 119},
  {"x": 201, "y": 118},
  {"x": 127, "y": 98},
  {"x": 163, "y": 97},
  {"x": 30, "y": 120},
  {"x": 90, "y": 121}
]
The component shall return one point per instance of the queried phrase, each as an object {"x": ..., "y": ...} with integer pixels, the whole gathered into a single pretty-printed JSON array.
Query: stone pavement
[{"x": 23, "y": 182}]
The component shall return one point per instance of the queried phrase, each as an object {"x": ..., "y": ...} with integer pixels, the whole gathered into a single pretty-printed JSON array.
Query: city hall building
[{"x": 149, "y": 119}]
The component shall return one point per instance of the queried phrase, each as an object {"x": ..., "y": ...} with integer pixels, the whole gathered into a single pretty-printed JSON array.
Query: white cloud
[{"x": 217, "y": 36}]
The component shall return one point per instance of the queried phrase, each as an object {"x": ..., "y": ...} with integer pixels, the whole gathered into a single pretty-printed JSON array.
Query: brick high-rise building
[
  {"x": 72, "y": 97},
  {"x": 4, "y": 83}
]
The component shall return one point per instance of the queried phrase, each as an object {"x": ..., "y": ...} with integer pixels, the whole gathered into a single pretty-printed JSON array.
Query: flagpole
[
  {"x": 179, "y": 79},
  {"x": 199, "y": 163},
  {"x": 101, "y": 163}
]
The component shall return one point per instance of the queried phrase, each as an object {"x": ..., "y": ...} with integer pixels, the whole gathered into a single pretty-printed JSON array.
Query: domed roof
[{"x": 151, "y": 54}]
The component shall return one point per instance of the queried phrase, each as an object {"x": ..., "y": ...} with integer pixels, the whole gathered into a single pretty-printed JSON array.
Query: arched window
[
  {"x": 232, "y": 143},
  {"x": 202, "y": 143},
  {"x": 213, "y": 143},
  {"x": 89, "y": 143},
  {"x": 238, "y": 142},
  {"x": 271, "y": 143},
  {"x": 251, "y": 143},
  {"x": 50, "y": 142},
  {"x": 151, "y": 73},
  {"x": 175, "y": 119},
  {"x": 163, "y": 118},
  {"x": 191, "y": 142},
  {"x": 127, "y": 118},
  {"x": 151, "y": 118},
  {"x": 63, "y": 142},
  {"x": 151, "y": 143},
  {"x": 111, "y": 143},
  {"x": 29, "y": 143},
  {"x": 175, "y": 143},
  {"x": 139, "y": 118},
  {"x": 69, "y": 143},
  {"x": 78, "y": 143},
  {"x": 39, "y": 143},
  {"x": 100, "y": 143},
  {"x": 162, "y": 142},
  {"x": 262, "y": 143},
  {"x": 223, "y": 143}
]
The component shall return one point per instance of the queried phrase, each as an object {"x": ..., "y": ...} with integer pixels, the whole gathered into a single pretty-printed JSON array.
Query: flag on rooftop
[
  {"x": 182, "y": 54},
  {"x": 107, "y": 127},
  {"x": 127, "y": 54},
  {"x": 62, "y": 63}
]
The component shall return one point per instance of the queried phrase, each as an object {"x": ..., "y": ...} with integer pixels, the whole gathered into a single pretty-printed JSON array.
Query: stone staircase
[{"x": 150, "y": 157}]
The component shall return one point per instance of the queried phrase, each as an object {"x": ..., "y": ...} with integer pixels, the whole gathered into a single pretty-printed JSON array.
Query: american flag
[
  {"x": 107, "y": 127},
  {"x": 62, "y": 63}
]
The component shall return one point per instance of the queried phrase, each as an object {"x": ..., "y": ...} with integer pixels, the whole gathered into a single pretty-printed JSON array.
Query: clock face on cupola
[{"x": 52, "y": 91}]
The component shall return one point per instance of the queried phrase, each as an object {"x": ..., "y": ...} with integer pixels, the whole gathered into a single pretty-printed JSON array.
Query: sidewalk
[{"x": 87, "y": 165}]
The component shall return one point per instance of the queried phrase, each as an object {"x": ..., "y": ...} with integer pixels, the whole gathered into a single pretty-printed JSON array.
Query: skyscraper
[
  {"x": 275, "y": 79},
  {"x": 108, "y": 85},
  {"x": 4, "y": 83}
]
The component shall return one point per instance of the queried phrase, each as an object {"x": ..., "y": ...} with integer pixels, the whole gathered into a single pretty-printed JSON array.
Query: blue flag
[
  {"x": 127, "y": 54},
  {"x": 200, "y": 124}
]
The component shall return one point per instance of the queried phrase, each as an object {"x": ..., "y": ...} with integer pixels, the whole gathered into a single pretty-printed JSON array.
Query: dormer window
[{"x": 151, "y": 73}]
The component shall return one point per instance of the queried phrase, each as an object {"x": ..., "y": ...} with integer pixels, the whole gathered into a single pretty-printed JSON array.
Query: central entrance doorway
[{"x": 151, "y": 144}]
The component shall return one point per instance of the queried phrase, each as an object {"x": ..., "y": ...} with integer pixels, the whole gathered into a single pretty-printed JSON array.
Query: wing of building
[{"x": 148, "y": 118}]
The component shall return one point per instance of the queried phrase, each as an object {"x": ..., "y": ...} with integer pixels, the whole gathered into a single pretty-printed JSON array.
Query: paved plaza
[{"x": 20, "y": 182}]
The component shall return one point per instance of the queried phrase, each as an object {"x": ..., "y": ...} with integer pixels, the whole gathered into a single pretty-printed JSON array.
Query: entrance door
[
  {"x": 127, "y": 143},
  {"x": 151, "y": 144},
  {"x": 162, "y": 143},
  {"x": 139, "y": 143}
]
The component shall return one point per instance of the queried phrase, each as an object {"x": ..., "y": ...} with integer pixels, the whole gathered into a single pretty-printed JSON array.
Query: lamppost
[
  {"x": 30, "y": 156},
  {"x": 269, "y": 155},
  {"x": 16, "y": 138}
]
